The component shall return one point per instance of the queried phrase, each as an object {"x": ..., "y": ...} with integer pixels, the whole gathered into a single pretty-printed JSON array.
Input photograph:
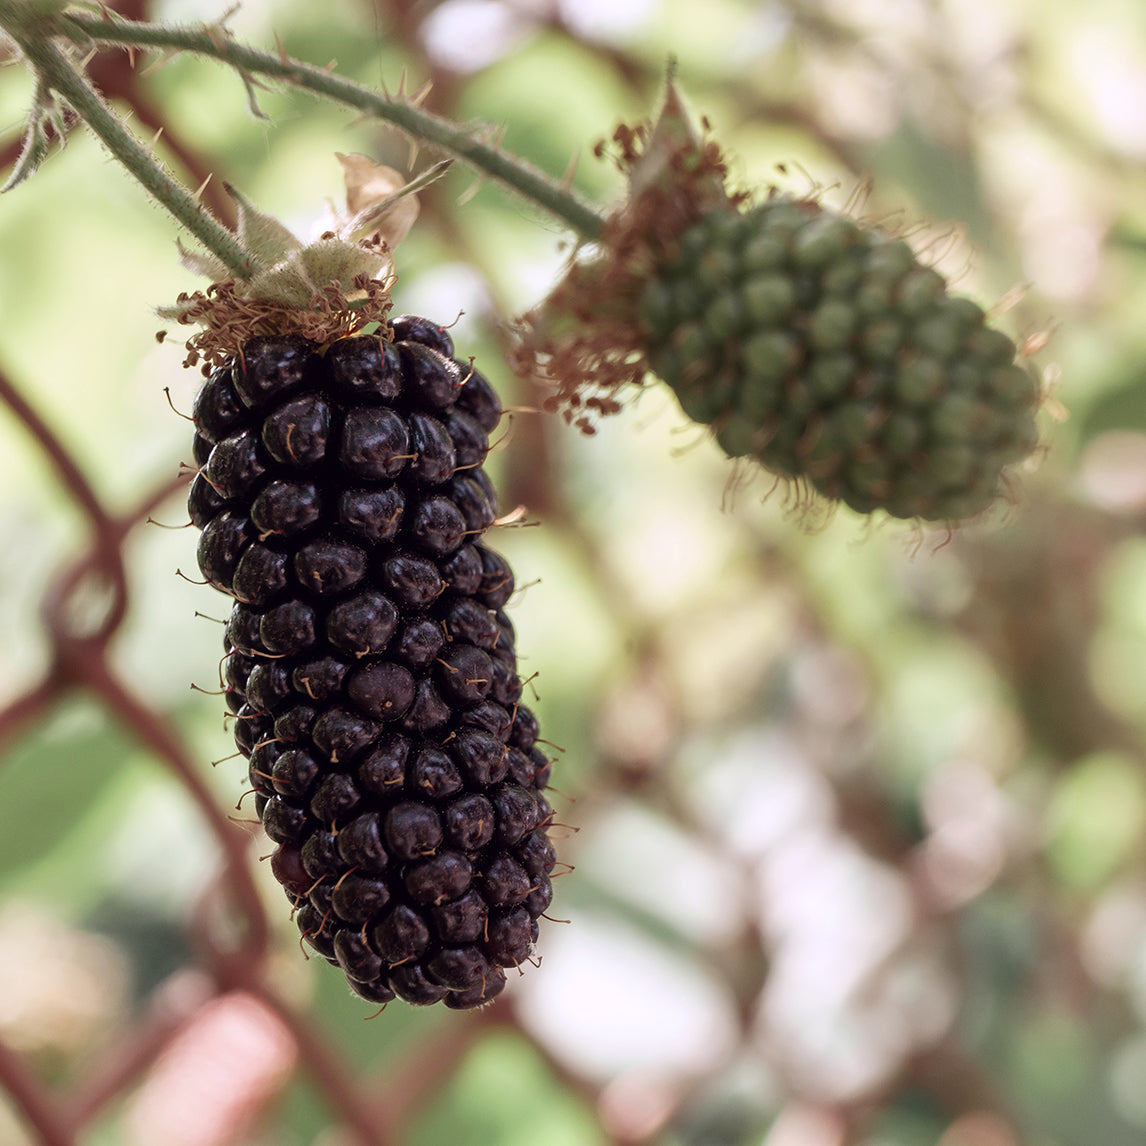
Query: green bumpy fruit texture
[{"x": 828, "y": 352}]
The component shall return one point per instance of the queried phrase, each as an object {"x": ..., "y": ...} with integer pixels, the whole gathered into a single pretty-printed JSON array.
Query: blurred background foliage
[{"x": 856, "y": 811}]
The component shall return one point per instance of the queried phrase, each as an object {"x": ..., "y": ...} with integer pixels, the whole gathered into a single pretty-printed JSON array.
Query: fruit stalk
[{"x": 461, "y": 142}]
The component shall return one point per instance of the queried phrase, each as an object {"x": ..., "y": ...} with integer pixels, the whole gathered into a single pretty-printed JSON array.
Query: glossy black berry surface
[{"x": 370, "y": 669}]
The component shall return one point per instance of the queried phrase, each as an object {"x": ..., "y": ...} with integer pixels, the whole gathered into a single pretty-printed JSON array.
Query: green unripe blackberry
[
  {"x": 827, "y": 352},
  {"x": 370, "y": 666}
]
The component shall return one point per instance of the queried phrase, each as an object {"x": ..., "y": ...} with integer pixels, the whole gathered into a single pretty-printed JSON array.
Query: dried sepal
[
  {"x": 262, "y": 235},
  {"x": 284, "y": 285},
  {"x": 336, "y": 260},
  {"x": 199, "y": 263},
  {"x": 367, "y": 182},
  {"x": 673, "y": 138},
  {"x": 379, "y": 201}
]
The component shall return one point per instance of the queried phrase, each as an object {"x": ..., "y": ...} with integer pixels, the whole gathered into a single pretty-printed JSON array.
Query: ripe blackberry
[
  {"x": 369, "y": 666},
  {"x": 826, "y": 350}
]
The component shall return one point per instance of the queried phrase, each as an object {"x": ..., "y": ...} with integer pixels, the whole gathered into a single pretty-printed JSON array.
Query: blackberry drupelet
[{"x": 369, "y": 665}]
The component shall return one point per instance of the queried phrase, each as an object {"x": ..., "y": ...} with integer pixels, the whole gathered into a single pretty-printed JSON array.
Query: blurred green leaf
[
  {"x": 300, "y": 1115},
  {"x": 914, "y": 1120},
  {"x": 51, "y": 782},
  {"x": 941, "y": 174},
  {"x": 1095, "y": 818},
  {"x": 1123, "y": 405},
  {"x": 503, "y": 1095},
  {"x": 368, "y": 1038}
]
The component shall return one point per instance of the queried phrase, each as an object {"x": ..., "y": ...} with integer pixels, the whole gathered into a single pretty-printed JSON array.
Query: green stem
[
  {"x": 507, "y": 169},
  {"x": 57, "y": 73}
]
